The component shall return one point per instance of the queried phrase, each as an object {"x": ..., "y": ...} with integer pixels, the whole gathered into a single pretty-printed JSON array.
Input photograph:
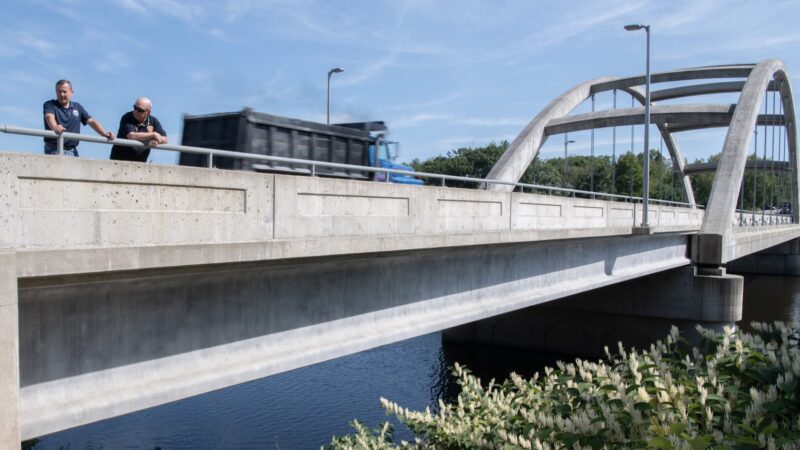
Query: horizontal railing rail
[{"x": 212, "y": 153}]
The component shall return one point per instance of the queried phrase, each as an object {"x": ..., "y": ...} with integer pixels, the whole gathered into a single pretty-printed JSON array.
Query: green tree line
[{"x": 621, "y": 175}]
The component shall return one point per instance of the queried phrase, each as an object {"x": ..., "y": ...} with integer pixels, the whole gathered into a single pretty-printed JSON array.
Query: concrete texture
[
  {"x": 70, "y": 216},
  {"x": 710, "y": 115},
  {"x": 9, "y": 352},
  {"x": 636, "y": 312},
  {"x": 143, "y": 284},
  {"x": 782, "y": 259},
  {"x": 694, "y": 73},
  {"x": 696, "y": 89},
  {"x": 57, "y": 203},
  {"x": 716, "y": 238},
  {"x": 94, "y": 347},
  {"x": 717, "y": 235}
]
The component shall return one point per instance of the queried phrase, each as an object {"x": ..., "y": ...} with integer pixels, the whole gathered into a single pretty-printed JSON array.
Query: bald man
[{"x": 139, "y": 125}]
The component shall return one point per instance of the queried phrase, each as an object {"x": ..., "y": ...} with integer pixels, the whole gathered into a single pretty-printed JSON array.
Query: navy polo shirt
[
  {"x": 129, "y": 124},
  {"x": 70, "y": 118}
]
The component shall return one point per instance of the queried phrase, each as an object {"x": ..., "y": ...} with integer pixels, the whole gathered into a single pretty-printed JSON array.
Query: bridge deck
[
  {"x": 80, "y": 216},
  {"x": 143, "y": 284}
]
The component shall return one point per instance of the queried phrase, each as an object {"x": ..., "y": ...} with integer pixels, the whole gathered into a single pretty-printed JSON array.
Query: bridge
[{"x": 126, "y": 286}]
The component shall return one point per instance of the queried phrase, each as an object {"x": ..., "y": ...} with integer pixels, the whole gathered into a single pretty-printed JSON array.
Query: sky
[{"x": 442, "y": 74}]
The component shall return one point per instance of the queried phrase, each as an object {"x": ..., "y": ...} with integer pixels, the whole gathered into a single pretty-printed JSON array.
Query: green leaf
[
  {"x": 717, "y": 398},
  {"x": 568, "y": 438},
  {"x": 769, "y": 429},
  {"x": 701, "y": 443},
  {"x": 677, "y": 428},
  {"x": 643, "y": 406},
  {"x": 746, "y": 442},
  {"x": 659, "y": 442},
  {"x": 544, "y": 433}
]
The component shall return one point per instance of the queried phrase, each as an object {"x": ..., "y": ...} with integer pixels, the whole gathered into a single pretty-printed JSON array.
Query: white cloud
[
  {"x": 419, "y": 119},
  {"x": 187, "y": 11},
  {"x": 33, "y": 42},
  {"x": 112, "y": 62},
  {"x": 132, "y": 5},
  {"x": 495, "y": 122},
  {"x": 203, "y": 81},
  {"x": 364, "y": 73},
  {"x": 430, "y": 103}
]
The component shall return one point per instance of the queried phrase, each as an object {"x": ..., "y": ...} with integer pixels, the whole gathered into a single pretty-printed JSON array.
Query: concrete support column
[
  {"x": 635, "y": 312},
  {"x": 9, "y": 352}
]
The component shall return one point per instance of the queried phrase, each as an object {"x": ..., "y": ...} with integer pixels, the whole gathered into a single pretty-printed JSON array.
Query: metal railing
[
  {"x": 751, "y": 218},
  {"x": 212, "y": 153}
]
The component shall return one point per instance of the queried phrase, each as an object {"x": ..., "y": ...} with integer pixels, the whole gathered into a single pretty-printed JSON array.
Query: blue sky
[{"x": 442, "y": 74}]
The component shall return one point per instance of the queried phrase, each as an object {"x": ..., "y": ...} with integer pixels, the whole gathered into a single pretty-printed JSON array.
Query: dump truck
[{"x": 359, "y": 143}]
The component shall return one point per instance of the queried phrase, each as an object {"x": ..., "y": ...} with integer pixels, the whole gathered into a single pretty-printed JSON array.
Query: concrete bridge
[{"x": 126, "y": 286}]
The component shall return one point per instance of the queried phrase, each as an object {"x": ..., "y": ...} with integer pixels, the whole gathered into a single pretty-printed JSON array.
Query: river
[{"x": 303, "y": 408}]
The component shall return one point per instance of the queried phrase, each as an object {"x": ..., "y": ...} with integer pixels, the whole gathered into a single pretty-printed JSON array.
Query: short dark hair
[{"x": 60, "y": 82}]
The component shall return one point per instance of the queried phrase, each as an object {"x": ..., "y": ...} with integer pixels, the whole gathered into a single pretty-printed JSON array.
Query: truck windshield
[{"x": 387, "y": 150}]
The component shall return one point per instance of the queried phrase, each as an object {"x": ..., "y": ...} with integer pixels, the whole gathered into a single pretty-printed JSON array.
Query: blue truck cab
[{"x": 387, "y": 152}]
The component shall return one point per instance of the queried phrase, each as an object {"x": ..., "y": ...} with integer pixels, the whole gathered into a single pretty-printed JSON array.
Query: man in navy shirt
[
  {"x": 139, "y": 125},
  {"x": 62, "y": 114}
]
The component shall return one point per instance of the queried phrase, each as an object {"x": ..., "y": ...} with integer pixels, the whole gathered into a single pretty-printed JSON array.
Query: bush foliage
[{"x": 741, "y": 392}]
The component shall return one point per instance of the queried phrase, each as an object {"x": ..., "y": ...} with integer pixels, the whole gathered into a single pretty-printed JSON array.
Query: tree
[
  {"x": 464, "y": 162},
  {"x": 629, "y": 175}
]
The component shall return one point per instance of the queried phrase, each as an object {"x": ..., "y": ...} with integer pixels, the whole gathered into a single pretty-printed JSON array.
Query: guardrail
[
  {"x": 751, "y": 218},
  {"x": 211, "y": 153}
]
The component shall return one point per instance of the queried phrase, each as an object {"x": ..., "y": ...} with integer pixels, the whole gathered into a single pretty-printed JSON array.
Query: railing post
[
  {"x": 210, "y": 160},
  {"x": 60, "y": 144},
  {"x": 313, "y": 170}
]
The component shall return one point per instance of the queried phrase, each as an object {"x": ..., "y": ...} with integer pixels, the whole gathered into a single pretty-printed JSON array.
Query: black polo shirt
[
  {"x": 70, "y": 118},
  {"x": 129, "y": 124}
]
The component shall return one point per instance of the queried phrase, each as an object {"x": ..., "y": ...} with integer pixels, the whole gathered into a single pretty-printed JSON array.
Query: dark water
[{"x": 302, "y": 409}]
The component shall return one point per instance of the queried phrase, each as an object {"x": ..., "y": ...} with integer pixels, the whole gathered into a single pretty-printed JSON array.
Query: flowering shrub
[{"x": 741, "y": 392}]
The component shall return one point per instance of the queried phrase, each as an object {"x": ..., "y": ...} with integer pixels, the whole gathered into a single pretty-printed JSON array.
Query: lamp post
[
  {"x": 566, "y": 144},
  {"x": 646, "y": 155},
  {"x": 331, "y": 72}
]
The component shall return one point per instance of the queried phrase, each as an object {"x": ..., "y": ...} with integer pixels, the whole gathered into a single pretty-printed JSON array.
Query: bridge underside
[{"x": 94, "y": 347}]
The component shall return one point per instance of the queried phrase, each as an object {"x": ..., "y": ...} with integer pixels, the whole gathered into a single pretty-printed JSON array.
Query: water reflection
[
  {"x": 304, "y": 408},
  {"x": 769, "y": 298}
]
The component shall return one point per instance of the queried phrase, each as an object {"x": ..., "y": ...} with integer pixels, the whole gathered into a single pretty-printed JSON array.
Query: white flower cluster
[{"x": 737, "y": 390}]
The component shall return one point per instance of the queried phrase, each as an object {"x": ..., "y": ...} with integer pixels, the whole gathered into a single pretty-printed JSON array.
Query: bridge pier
[
  {"x": 9, "y": 352},
  {"x": 636, "y": 312},
  {"x": 782, "y": 259}
]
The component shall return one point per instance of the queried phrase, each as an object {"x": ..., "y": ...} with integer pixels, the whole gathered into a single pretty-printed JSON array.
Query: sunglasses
[{"x": 140, "y": 110}]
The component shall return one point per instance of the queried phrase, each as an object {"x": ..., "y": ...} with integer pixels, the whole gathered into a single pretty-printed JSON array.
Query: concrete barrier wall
[{"x": 63, "y": 203}]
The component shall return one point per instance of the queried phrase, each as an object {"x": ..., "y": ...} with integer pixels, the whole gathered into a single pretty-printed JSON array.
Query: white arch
[{"x": 716, "y": 236}]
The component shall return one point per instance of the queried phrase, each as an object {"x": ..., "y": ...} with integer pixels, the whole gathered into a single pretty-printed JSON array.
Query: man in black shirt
[{"x": 139, "y": 125}]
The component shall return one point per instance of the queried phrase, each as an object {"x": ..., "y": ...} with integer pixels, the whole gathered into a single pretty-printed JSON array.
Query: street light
[
  {"x": 646, "y": 156},
  {"x": 566, "y": 143},
  {"x": 331, "y": 72}
]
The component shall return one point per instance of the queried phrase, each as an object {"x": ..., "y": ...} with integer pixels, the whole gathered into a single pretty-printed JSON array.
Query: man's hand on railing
[{"x": 109, "y": 135}]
